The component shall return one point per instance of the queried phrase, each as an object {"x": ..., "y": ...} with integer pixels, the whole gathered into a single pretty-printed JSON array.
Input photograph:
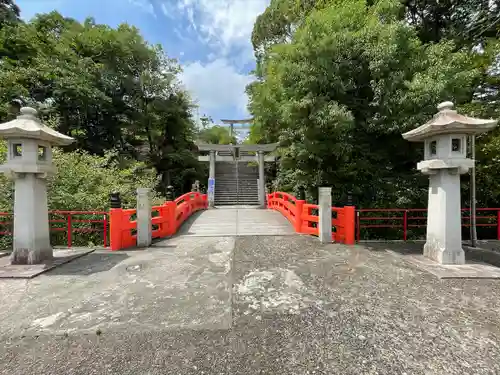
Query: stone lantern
[
  {"x": 445, "y": 141},
  {"x": 29, "y": 163}
]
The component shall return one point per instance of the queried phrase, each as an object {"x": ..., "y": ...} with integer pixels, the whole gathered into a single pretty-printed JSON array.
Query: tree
[
  {"x": 464, "y": 22},
  {"x": 108, "y": 88},
  {"x": 9, "y": 12},
  {"x": 216, "y": 134},
  {"x": 340, "y": 92}
]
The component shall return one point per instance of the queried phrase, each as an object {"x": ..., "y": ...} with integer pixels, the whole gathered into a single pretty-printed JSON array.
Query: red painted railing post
[
  {"x": 269, "y": 197},
  {"x": 358, "y": 225},
  {"x": 299, "y": 207},
  {"x": 498, "y": 225},
  {"x": 171, "y": 219},
  {"x": 115, "y": 228},
  {"x": 405, "y": 225},
  {"x": 349, "y": 225},
  {"x": 69, "y": 231},
  {"x": 105, "y": 230}
]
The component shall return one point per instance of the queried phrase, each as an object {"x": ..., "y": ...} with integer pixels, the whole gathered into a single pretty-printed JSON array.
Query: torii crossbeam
[{"x": 231, "y": 124}]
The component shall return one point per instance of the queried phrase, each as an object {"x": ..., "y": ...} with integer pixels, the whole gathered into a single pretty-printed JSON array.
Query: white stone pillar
[
  {"x": 144, "y": 226},
  {"x": 444, "y": 218},
  {"x": 211, "y": 180},
  {"x": 211, "y": 172},
  {"x": 262, "y": 181},
  {"x": 31, "y": 221},
  {"x": 325, "y": 214}
]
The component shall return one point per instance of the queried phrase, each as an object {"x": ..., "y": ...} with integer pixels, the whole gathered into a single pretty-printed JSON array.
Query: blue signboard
[
  {"x": 211, "y": 185},
  {"x": 211, "y": 191}
]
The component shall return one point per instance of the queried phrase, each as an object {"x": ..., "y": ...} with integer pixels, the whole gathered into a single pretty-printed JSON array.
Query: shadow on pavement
[
  {"x": 186, "y": 226},
  {"x": 90, "y": 264},
  {"x": 398, "y": 247},
  {"x": 484, "y": 255}
]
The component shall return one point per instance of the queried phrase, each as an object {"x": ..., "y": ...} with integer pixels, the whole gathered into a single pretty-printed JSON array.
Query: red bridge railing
[
  {"x": 166, "y": 219},
  {"x": 407, "y": 221},
  {"x": 304, "y": 217}
]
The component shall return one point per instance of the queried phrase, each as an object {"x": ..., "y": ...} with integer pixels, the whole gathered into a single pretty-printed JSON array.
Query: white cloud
[
  {"x": 229, "y": 21},
  {"x": 223, "y": 24},
  {"x": 144, "y": 5},
  {"x": 225, "y": 27},
  {"x": 168, "y": 10},
  {"x": 216, "y": 86}
]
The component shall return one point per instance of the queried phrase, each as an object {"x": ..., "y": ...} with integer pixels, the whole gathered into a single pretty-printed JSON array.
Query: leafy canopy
[
  {"x": 340, "y": 92},
  {"x": 106, "y": 87}
]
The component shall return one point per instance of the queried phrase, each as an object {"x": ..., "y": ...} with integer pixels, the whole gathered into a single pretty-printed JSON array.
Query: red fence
[
  {"x": 68, "y": 223},
  {"x": 407, "y": 220},
  {"x": 166, "y": 219},
  {"x": 304, "y": 217}
]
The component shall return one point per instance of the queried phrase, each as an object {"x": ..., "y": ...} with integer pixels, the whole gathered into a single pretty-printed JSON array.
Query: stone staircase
[{"x": 236, "y": 184}]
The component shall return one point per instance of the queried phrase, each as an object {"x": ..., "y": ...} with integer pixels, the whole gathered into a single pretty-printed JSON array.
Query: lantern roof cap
[
  {"x": 28, "y": 125},
  {"x": 448, "y": 121}
]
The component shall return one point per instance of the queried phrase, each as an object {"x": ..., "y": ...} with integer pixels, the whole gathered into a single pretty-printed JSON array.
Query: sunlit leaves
[{"x": 341, "y": 91}]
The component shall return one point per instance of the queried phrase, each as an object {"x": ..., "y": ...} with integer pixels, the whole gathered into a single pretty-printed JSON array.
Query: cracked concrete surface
[
  {"x": 184, "y": 283},
  {"x": 249, "y": 305}
]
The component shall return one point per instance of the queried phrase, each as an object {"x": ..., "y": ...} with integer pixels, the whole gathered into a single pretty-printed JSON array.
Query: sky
[{"x": 210, "y": 38}]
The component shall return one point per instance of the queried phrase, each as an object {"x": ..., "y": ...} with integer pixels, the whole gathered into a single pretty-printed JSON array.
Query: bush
[{"x": 83, "y": 182}]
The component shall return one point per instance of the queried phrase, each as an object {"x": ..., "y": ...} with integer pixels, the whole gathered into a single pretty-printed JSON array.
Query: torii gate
[{"x": 231, "y": 124}]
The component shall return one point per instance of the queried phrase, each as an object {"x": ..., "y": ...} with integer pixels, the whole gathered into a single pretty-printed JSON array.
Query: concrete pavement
[
  {"x": 182, "y": 283},
  {"x": 248, "y": 305}
]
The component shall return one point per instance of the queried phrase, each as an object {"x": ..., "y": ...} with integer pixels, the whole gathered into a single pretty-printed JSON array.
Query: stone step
[
  {"x": 233, "y": 175},
  {"x": 235, "y": 187},
  {"x": 239, "y": 188},
  {"x": 235, "y": 193},
  {"x": 243, "y": 180},
  {"x": 256, "y": 199},
  {"x": 234, "y": 179},
  {"x": 222, "y": 204},
  {"x": 236, "y": 204},
  {"x": 241, "y": 199},
  {"x": 243, "y": 189},
  {"x": 218, "y": 182},
  {"x": 235, "y": 197}
]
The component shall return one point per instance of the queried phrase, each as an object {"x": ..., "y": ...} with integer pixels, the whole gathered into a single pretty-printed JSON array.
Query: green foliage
[
  {"x": 9, "y": 12},
  {"x": 117, "y": 95},
  {"x": 340, "y": 92},
  {"x": 106, "y": 87},
  {"x": 216, "y": 134},
  {"x": 467, "y": 23},
  {"x": 83, "y": 183}
]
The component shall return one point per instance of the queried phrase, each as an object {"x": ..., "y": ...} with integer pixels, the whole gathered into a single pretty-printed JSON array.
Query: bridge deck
[{"x": 236, "y": 221}]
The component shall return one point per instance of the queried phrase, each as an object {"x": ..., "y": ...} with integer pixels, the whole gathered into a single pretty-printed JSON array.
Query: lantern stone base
[
  {"x": 28, "y": 271},
  {"x": 31, "y": 256},
  {"x": 444, "y": 255}
]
